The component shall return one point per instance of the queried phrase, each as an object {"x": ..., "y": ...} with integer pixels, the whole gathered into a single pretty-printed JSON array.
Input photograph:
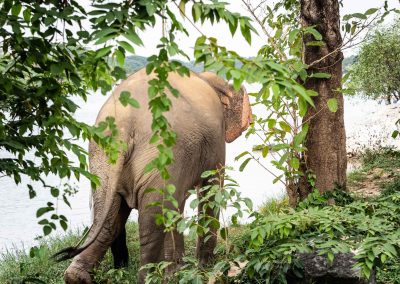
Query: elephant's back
[{"x": 198, "y": 105}]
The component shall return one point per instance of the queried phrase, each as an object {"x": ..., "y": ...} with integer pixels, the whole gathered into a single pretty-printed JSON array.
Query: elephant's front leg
[
  {"x": 174, "y": 249},
  {"x": 82, "y": 264}
]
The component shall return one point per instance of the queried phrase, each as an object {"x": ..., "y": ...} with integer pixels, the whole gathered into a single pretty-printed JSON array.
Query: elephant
[{"x": 208, "y": 113}]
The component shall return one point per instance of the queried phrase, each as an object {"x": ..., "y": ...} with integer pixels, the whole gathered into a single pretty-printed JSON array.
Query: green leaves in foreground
[
  {"x": 125, "y": 99},
  {"x": 368, "y": 227}
]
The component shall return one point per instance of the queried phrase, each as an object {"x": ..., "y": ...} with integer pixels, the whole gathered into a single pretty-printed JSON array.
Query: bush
[{"x": 369, "y": 227}]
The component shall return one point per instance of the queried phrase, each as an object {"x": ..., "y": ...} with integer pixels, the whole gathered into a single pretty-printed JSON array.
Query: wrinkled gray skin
[{"x": 208, "y": 113}]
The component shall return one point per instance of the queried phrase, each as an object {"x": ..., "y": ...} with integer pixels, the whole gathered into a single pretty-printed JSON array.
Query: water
[{"x": 18, "y": 222}]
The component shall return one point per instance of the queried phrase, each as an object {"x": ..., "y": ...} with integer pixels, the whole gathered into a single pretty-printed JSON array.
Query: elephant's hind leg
[
  {"x": 151, "y": 238},
  {"x": 81, "y": 266},
  {"x": 118, "y": 247}
]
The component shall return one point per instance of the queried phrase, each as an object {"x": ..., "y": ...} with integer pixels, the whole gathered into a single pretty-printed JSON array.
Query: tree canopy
[{"x": 376, "y": 72}]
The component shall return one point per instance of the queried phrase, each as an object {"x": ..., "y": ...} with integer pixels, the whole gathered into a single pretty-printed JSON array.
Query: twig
[
  {"x": 190, "y": 21},
  {"x": 265, "y": 168},
  {"x": 251, "y": 10}
]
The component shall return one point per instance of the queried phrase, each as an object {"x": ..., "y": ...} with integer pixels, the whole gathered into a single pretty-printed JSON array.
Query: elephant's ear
[
  {"x": 221, "y": 87},
  {"x": 237, "y": 109}
]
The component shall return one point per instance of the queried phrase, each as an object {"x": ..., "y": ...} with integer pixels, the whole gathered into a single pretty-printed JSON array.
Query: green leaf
[
  {"x": 103, "y": 51},
  {"x": 54, "y": 191},
  {"x": 321, "y": 75},
  {"x": 224, "y": 233},
  {"x": 27, "y": 14},
  {"x": 241, "y": 155},
  {"x": 295, "y": 163},
  {"x": 299, "y": 138},
  {"x": 16, "y": 9},
  {"x": 126, "y": 45},
  {"x": 133, "y": 37},
  {"x": 56, "y": 68},
  {"x": 47, "y": 230},
  {"x": 196, "y": 12},
  {"x": 359, "y": 16},
  {"x": 332, "y": 105},
  {"x": 125, "y": 99},
  {"x": 315, "y": 33},
  {"x": 120, "y": 57},
  {"x": 43, "y": 210},
  {"x": 209, "y": 173},
  {"x": 293, "y": 35},
  {"x": 302, "y": 107},
  {"x": 371, "y": 11},
  {"x": 265, "y": 151},
  {"x": 302, "y": 92},
  {"x": 182, "y": 6},
  {"x": 244, "y": 164},
  {"x": 330, "y": 256},
  {"x": 285, "y": 127},
  {"x": 64, "y": 225},
  {"x": 105, "y": 32},
  {"x": 245, "y": 30}
]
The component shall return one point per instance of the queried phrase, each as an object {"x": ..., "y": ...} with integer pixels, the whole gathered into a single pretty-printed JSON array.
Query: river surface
[{"x": 18, "y": 222}]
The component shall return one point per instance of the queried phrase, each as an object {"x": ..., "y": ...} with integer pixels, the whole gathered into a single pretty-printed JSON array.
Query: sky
[{"x": 237, "y": 43}]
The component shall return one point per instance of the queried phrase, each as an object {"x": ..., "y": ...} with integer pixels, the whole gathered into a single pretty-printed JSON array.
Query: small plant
[{"x": 274, "y": 206}]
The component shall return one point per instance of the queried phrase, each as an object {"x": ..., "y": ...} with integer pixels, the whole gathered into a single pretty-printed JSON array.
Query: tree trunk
[{"x": 326, "y": 140}]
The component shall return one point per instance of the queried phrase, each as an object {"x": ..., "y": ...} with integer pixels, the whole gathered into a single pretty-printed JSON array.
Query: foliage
[
  {"x": 390, "y": 273},
  {"x": 376, "y": 73},
  {"x": 40, "y": 79},
  {"x": 371, "y": 228}
]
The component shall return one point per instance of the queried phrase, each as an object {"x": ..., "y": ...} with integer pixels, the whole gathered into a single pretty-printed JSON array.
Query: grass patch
[
  {"x": 354, "y": 178},
  {"x": 21, "y": 266},
  {"x": 274, "y": 206}
]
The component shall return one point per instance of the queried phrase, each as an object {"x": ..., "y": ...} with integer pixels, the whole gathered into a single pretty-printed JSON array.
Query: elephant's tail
[
  {"x": 109, "y": 175},
  {"x": 71, "y": 252}
]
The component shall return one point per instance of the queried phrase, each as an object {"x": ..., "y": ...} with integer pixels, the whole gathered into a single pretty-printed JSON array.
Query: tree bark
[{"x": 326, "y": 140}]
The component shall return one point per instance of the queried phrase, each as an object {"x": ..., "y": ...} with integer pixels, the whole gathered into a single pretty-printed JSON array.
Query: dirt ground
[{"x": 368, "y": 183}]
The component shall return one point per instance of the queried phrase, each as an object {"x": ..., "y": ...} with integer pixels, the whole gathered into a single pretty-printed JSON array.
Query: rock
[{"x": 317, "y": 270}]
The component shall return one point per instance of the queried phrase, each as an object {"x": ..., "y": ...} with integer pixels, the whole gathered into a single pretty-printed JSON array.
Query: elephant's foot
[{"x": 76, "y": 274}]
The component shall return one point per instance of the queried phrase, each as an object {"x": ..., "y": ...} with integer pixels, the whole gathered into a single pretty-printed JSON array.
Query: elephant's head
[{"x": 237, "y": 109}]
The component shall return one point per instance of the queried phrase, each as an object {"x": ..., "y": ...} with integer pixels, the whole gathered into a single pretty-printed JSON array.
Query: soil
[{"x": 370, "y": 183}]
